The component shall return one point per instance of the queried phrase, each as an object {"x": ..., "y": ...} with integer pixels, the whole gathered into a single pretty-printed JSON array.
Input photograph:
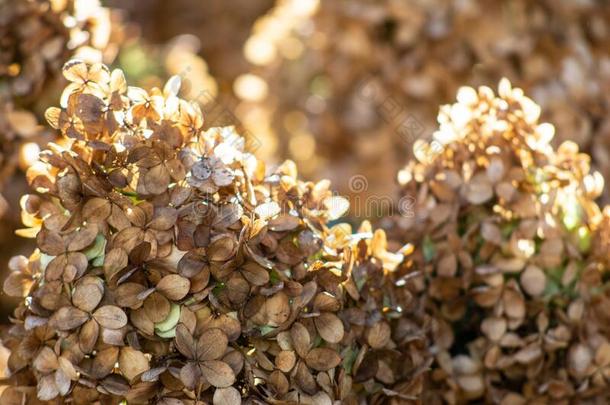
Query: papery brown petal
[
  {"x": 227, "y": 215},
  {"x": 222, "y": 249},
  {"x": 52, "y": 115},
  {"x": 67, "y": 318},
  {"x": 46, "y": 360},
  {"x": 226, "y": 396},
  {"x": 322, "y": 359},
  {"x": 300, "y": 339},
  {"x": 279, "y": 382},
  {"x": 90, "y": 110},
  {"x": 46, "y": 388},
  {"x": 201, "y": 236},
  {"x": 113, "y": 337},
  {"x": 111, "y": 317},
  {"x": 188, "y": 318},
  {"x": 50, "y": 242},
  {"x": 237, "y": 289},
  {"x": 174, "y": 286},
  {"x": 88, "y": 335},
  {"x": 156, "y": 180},
  {"x": 87, "y": 295},
  {"x": 277, "y": 309},
  {"x": 96, "y": 209},
  {"x": 114, "y": 261},
  {"x": 156, "y": 307},
  {"x": 67, "y": 368},
  {"x": 190, "y": 375},
  {"x": 211, "y": 345},
  {"x": 229, "y": 325},
  {"x": 132, "y": 362},
  {"x": 126, "y": 295},
  {"x": 118, "y": 219},
  {"x": 104, "y": 362},
  {"x": 217, "y": 373},
  {"x": 184, "y": 341},
  {"x": 285, "y": 360},
  {"x": 200, "y": 280},
  {"x": 378, "y": 335},
  {"x": 153, "y": 374},
  {"x": 284, "y": 222},
  {"x": 17, "y": 284},
  {"x": 62, "y": 382},
  {"x": 128, "y": 238},
  {"x": 329, "y": 327},
  {"x": 165, "y": 218},
  {"x": 142, "y": 322},
  {"x": 235, "y": 360},
  {"x": 176, "y": 169},
  {"x": 82, "y": 238},
  {"x": 55, "y": 269},
  {"x": 255, "y": 274},
  {"x": 191, "y": 265},
  {"x": 115, "y": 385},
  {"x": 75, "y": 70},
  {"x": 305, "y": 380}
]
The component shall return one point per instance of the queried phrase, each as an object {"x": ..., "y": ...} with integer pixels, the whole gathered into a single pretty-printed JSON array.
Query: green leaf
[
  {"x": 429, "y": 249},
  {"x": 584, "y": 239},
  {"x": 274, "y": 277},
  {"x": 167, "y": 327},
  {"x": 572, "y": 213},
  {"x": 349, "y": 358},
  {"x": 266, "y": 329},
  {"x": 97, "y": 249}
]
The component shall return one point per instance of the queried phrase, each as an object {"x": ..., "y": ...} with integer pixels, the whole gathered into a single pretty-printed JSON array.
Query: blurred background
[{"x": 342, "y": 87}]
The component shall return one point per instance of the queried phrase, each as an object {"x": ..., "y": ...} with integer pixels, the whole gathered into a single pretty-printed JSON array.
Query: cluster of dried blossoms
[
  {"x": 369, "y": 75},
  {"x": 36, "y": 38},
  {"x": 514, "y": 252},
  {"x": 173, "y": 268},
  {"x": 39, "y": 35}
]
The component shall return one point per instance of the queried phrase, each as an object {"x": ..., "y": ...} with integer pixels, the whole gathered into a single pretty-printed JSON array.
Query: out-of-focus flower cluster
[
  {"x": 351, "y": 84},
  {"x": 221, "y": 26},
  {"x": 150, "y": 65},
  {"x": 513, "y": 250},
  {"x": 39, "y": 35},
  {"x": 172, "y": 267},
  {"x": 36, "y": 38}
]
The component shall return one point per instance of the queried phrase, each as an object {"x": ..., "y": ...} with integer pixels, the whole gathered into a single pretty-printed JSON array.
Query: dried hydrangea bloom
[
  {"x": 359, "y": 334},
  {"x": 173, "y": 267},
  {"x": 38, "y": 36},
  {"x": 365, "y": 78},
  {"x": 504, "y": 227}
]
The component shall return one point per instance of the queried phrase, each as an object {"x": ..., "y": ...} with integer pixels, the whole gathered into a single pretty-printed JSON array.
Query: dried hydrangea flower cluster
[
  {"x": 369, "y": 75},
  {"x": 361, "y": 304},
  {"x": 173, "y": 268},
  {"x": 37, "y": 37},
  {"x": 504, "y": 227}
]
